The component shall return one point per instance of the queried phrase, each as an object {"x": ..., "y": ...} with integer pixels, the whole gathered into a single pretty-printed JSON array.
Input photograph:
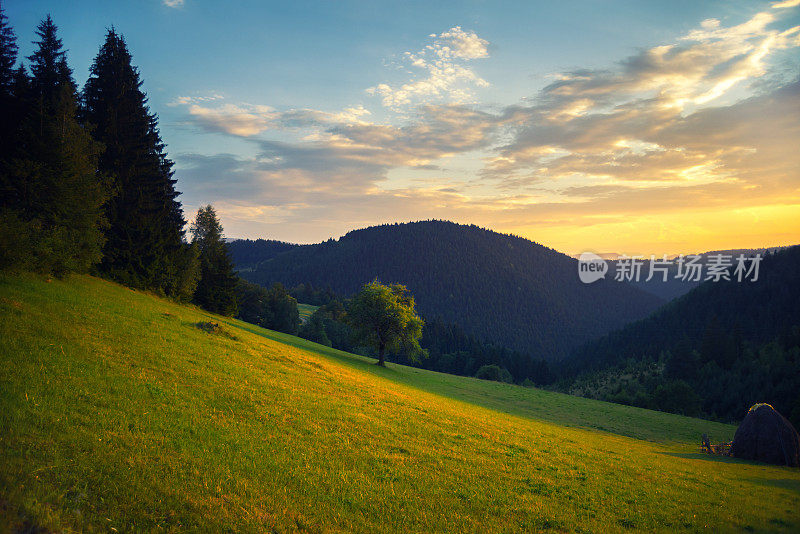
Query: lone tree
[{"x": 384, "y": 317}]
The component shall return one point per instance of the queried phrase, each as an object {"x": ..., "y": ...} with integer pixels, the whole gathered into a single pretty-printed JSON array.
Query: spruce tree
[
  {"x": 55, "y": 195},
  {"x": 13, "y": 229},
  {"x": 8, "y": 54},
  {"x": 8, "y": 105},
  {"x": 216, "y": 290},
  {"x": 145, "y": 247}
]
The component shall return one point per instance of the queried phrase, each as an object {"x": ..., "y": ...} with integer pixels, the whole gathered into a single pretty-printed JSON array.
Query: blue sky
[{"x": 582, "y": 125}]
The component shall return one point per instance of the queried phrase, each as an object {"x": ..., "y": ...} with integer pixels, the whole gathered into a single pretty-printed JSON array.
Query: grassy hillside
[{"x": 117, "y": 411}]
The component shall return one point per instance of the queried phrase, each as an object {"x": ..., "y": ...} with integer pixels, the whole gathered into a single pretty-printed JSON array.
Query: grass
[
  {"x": 118, "y": 412},
  {"x": 305, "y": 311}
]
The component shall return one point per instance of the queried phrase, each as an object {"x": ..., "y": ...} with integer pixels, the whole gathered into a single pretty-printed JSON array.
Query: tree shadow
[
  {"x": 352, "y": 360},
  {"x": 707, "y": 457},
  {"x": 504, "y": 398},
  {"x": 791, "y": 484}
]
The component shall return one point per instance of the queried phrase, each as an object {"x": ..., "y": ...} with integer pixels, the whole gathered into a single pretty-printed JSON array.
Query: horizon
[
  {"x": 607, "y": 255},
  {"x": 633, "y": 129}
]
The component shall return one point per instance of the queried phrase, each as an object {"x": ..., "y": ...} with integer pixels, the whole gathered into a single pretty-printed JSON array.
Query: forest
[{"x": 449, "y": 348}]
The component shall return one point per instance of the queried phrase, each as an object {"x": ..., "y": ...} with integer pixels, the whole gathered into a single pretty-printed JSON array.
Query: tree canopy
[{"x": 385, "y": 318}]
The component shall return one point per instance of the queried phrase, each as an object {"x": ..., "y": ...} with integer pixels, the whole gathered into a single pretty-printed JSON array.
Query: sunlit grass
[{"x": 117, "y": 411}]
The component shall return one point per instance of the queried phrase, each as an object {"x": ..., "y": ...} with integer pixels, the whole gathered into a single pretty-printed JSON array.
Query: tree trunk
[{"x": 381, "y": 350}]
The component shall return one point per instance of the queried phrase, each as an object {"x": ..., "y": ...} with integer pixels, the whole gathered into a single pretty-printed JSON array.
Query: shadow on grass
[
  {"x": 706, "y": 457},
  {"x": 791, "y": 484}
]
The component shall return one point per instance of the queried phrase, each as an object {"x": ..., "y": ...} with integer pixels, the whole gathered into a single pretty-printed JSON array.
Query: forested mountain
[
  {"x": 715, "y": 351},
  {"x": 500, "y": 288}
]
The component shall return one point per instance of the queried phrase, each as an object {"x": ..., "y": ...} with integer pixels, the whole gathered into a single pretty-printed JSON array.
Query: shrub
[{"x": 494, "y": 372}]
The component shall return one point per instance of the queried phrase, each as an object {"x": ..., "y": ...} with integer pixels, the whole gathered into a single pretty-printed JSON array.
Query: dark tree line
[
  {"x": 715, "y": 351},
  {"x": 454, "y": 351},
  {"x": 85, "y": 182},
  {"x": 53, "y": 193},
  {"x": 272, "y": 308},
  {"x": 144, "y": 245}
]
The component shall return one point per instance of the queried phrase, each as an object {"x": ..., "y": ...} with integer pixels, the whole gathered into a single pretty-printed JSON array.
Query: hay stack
[{"x": 767, "y": 436}]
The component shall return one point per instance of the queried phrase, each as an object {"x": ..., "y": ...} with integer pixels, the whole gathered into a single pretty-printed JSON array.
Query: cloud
[
  {"x": 174, "y": 3},
  {"x": 620, "y": 123},
  {"x": 457, "y": 43},
  {"x": 785, "y": 4},
  {"x": 186, "y": 100},
  {"x": 240, "y": 120},
  {"x": 340, "y": 152},
  {"x": 445, "y": 78}
]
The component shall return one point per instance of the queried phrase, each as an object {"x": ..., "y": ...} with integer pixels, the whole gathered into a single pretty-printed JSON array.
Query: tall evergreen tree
[
  {"x": 145, "y": 245},
  {"x": 216, "y": 290},
  {"x": 9, "y": 124},
  {"x": 8, "y": 54},
  {"x": 55, "y": 195}
]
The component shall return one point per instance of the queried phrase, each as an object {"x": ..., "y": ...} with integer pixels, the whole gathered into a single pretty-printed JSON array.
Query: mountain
[
  {"x": 500, "y": 288},
  {"x": 733, "y": 343}
]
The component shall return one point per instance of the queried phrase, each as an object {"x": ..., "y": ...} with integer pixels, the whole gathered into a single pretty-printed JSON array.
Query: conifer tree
[
  {"x": 13, "y": 238},
  {"x": 9, "y": 124},
  {"x": 8, "y": 54},
  {"x": 55, "y": 195},
  {"x": 216, "y": 290},
  {"x": 145, "y": 245}
]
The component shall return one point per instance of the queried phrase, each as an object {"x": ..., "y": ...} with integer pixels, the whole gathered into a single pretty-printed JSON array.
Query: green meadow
[
  {"x": 117, "y": 413},
  {"x": 306, "y": 310}
]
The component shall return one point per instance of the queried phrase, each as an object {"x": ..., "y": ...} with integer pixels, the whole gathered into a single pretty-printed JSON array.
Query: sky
[{"x": 627, "y": 127}]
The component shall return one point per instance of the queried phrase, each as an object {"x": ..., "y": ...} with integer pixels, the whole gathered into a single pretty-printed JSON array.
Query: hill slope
[
  {"x": 116, "y": 411},
  {"x": 499, "y": 288}
]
